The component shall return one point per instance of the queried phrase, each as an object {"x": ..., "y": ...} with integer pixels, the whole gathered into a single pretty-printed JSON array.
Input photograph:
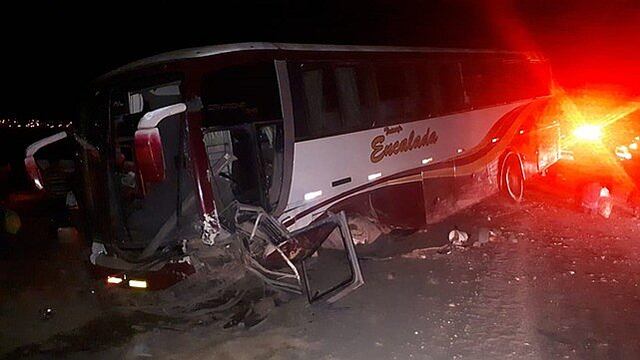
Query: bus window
[
  {"x": 392, "y": 94},
  {"x": 424, "y": 100},
  {"x": 333, "y": 100},
  {"x": 512, "y": 80},
  {"x": 501, "y": 81},
  {"x": 355, "y": 96},
  {"x": 522, "y": 80},
  {"x": 451, "y": 90},
  {"x": 535, "y": 79},
  {"x": 241, "y": 94},
  {"x": 482, "y": 83},
  {"x": 321, "y": 103}
]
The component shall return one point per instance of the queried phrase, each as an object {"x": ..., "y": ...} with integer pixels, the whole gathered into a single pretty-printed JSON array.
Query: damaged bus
[{"x": 280, "y": 145}]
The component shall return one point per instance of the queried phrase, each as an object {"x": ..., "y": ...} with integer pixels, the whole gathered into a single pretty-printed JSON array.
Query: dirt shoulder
[{"x": 554, "y": 283}]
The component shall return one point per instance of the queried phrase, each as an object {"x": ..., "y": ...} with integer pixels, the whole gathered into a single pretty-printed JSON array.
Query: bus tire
[{"x": 512, "y": 178}]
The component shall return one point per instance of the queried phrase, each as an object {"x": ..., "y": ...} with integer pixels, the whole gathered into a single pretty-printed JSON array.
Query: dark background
[{"x": 51, "y": 51}]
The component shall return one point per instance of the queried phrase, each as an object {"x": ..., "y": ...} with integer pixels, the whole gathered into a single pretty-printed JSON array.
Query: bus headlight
[{"x": 588, "y": 132}]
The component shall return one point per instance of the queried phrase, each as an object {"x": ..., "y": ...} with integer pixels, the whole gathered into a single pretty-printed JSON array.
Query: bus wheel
[{"x": 512, "y": 178}]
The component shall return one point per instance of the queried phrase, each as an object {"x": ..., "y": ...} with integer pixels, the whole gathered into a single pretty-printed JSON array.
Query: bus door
[
  {"x": 233, "y": 164},
  {"x": 246, "y": 163}
]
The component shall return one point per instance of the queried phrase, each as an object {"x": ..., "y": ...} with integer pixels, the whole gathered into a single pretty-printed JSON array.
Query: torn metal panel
[
  {"x": 210, "y": 229},
  {"x": 339, "y": 289},
  {"x": 278, "y": 257},
  {"x": 259, "y": 234}
]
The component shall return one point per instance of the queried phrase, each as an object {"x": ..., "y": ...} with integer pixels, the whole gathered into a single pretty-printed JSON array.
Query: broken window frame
[
  {"x": 287, "y": 281},
  {"x": 347, "y": 286},
  {"x": 277, "y": 236}
]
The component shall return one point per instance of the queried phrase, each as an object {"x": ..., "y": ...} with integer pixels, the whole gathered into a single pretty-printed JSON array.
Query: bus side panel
[
  {"x": 477, "y": 185},
  {"x": 548, "y": 146},
  {"x": 356, "y": 205},
  {"x": 538, "y": 140},
  {"x": 439, "y": 196},
  {"x": 400, "y": 205}
]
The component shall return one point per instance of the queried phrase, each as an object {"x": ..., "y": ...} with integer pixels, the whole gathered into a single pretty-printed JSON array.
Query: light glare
[
  {"x": 312, "y": 195},
  {"x": 588, "y": 132},
  {"x": 113, "y": 280},
  {"x": 141, "y": 284}
]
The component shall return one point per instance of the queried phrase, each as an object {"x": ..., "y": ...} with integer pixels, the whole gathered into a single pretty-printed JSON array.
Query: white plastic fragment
[{"x": 458, "y": 238}]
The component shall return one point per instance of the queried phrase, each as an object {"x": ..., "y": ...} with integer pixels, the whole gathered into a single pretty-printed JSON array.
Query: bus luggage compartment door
[{"x": 400, "y": 203}]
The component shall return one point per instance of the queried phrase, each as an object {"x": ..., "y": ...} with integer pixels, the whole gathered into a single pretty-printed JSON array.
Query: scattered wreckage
[{"x": 279, "y": 257}]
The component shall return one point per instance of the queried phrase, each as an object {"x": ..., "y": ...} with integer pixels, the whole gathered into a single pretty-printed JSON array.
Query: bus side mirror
[
  {"x": 149, "y": 155},
  {"x": 148, "y": 143}
]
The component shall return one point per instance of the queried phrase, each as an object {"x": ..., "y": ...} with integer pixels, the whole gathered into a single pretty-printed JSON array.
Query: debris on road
[
  {"x": 283, "y": 259},
  {"x": 484, "y": 236},
  {"x": 11, "y": 221},
  {"x": 605, "y": 203},
  {"x": 422, "y": 253},
  {"x": 458, "y": 238},
  {"x": 47, "y": 313},
  {"x": 596, "y": 199},
  {"x": 513, "y": 239},
  {"x": 391, "y": 276},
  {"x": 364, "y": 230}
]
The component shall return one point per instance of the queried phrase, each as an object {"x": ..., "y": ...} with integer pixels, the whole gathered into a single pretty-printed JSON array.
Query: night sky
[{"x": 52, "y": 51}]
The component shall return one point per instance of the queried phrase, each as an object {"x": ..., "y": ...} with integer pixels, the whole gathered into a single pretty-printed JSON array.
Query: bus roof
[{"x": 213, "y": 50}]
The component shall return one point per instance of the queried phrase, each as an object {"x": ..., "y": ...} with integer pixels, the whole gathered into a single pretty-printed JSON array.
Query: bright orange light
[
  {"x": 591, "y": 119},
  {"x": 588, "y": 132}
]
